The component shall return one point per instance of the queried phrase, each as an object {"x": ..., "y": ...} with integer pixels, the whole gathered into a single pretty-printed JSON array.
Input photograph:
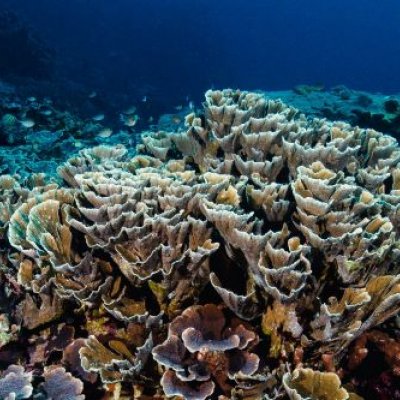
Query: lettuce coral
[
  {"x": 202, "y": 348},
  {"x": 240, "y": 259}
]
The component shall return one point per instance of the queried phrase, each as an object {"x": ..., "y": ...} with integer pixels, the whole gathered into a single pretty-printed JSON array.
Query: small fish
[
  {"x": 78, "y": 144},
  {"x": 13, "y": 105},
  {"x": 178, "y": 108},
  {"x": 131, "y": 110},
  {"x": 98, "y": 117},
  {"x": 31, "y": 99},
  {"x": 131, "y": 122},
  {"x": 92, "y": 95},
  {"x": 151, "y": 119},
  {"x": 105, "y": 133},
  {"x": 27, "y": 123},
  {"x": 176, "y": 120},
  {"x": 46, "y": 113},
  {"x": 144, "y": 99},
  {"x": 191, "y": 105}
]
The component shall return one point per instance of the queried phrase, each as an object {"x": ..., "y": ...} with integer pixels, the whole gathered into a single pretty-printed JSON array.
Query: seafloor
[{"x": 244, "y": 249}]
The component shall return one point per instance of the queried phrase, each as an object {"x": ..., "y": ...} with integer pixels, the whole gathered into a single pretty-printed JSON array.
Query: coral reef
[
  {"x": 252, "y": 256},
  {"x": 36, "y": 136},
  {"x": 201, "y": 348},
  {"x": 367, "y": 110}
]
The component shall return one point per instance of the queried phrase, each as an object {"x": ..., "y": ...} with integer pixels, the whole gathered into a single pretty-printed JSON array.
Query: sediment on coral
[{"x": 254, "y": 256}]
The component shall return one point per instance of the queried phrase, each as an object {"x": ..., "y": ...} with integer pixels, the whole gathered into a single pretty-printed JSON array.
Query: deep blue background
[{"x": 182, "y": 47}]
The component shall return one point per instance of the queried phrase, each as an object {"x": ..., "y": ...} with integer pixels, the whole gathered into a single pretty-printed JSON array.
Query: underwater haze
[
  {"x": 181, "y": 47},
  {"x": 199, "y": 200}
]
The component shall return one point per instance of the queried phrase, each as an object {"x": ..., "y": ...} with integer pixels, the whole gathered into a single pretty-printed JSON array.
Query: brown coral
[{"x": 314, "y": 385}]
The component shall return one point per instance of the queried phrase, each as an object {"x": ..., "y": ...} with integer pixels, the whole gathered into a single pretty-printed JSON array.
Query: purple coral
[
  {"x": 15, "y": 382},
  {"x": 203, "y": 352},
  {"x": 61, "y": 385}
]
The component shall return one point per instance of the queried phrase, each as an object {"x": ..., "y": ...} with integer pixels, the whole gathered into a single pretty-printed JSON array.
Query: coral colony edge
[{"x": 254, "y": 255}]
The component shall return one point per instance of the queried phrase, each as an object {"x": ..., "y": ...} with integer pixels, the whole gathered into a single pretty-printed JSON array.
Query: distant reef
[
  {"x": 36, "y": 135},
  {"x": 364, "y": 109},
  {"x": 253, "y": 254}
]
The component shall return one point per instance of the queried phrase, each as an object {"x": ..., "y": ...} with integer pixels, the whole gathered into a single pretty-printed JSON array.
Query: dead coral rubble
[{"x": 242, "y": 259}]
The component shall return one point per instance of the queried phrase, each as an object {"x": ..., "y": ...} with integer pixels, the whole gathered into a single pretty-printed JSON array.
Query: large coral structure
[{"x": 255, "y": 256}]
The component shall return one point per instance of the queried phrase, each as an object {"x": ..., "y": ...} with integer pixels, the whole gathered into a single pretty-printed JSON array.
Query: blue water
[{"x": 178, "y": 48}]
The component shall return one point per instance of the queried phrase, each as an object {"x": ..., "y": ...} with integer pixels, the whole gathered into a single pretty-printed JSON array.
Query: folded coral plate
[{"x": 254, "y": 256}]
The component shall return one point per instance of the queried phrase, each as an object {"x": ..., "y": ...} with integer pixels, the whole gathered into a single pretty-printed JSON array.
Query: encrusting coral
[{"x": 253, "y": 257}]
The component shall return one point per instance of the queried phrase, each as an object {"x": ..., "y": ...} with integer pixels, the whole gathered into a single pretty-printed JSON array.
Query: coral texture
[
  {"x": 254, "y": 256},
  {"x": 201, "y": 348}
]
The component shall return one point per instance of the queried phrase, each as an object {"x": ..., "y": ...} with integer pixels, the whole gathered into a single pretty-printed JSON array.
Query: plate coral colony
[{"x": 253, "y": 256}]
